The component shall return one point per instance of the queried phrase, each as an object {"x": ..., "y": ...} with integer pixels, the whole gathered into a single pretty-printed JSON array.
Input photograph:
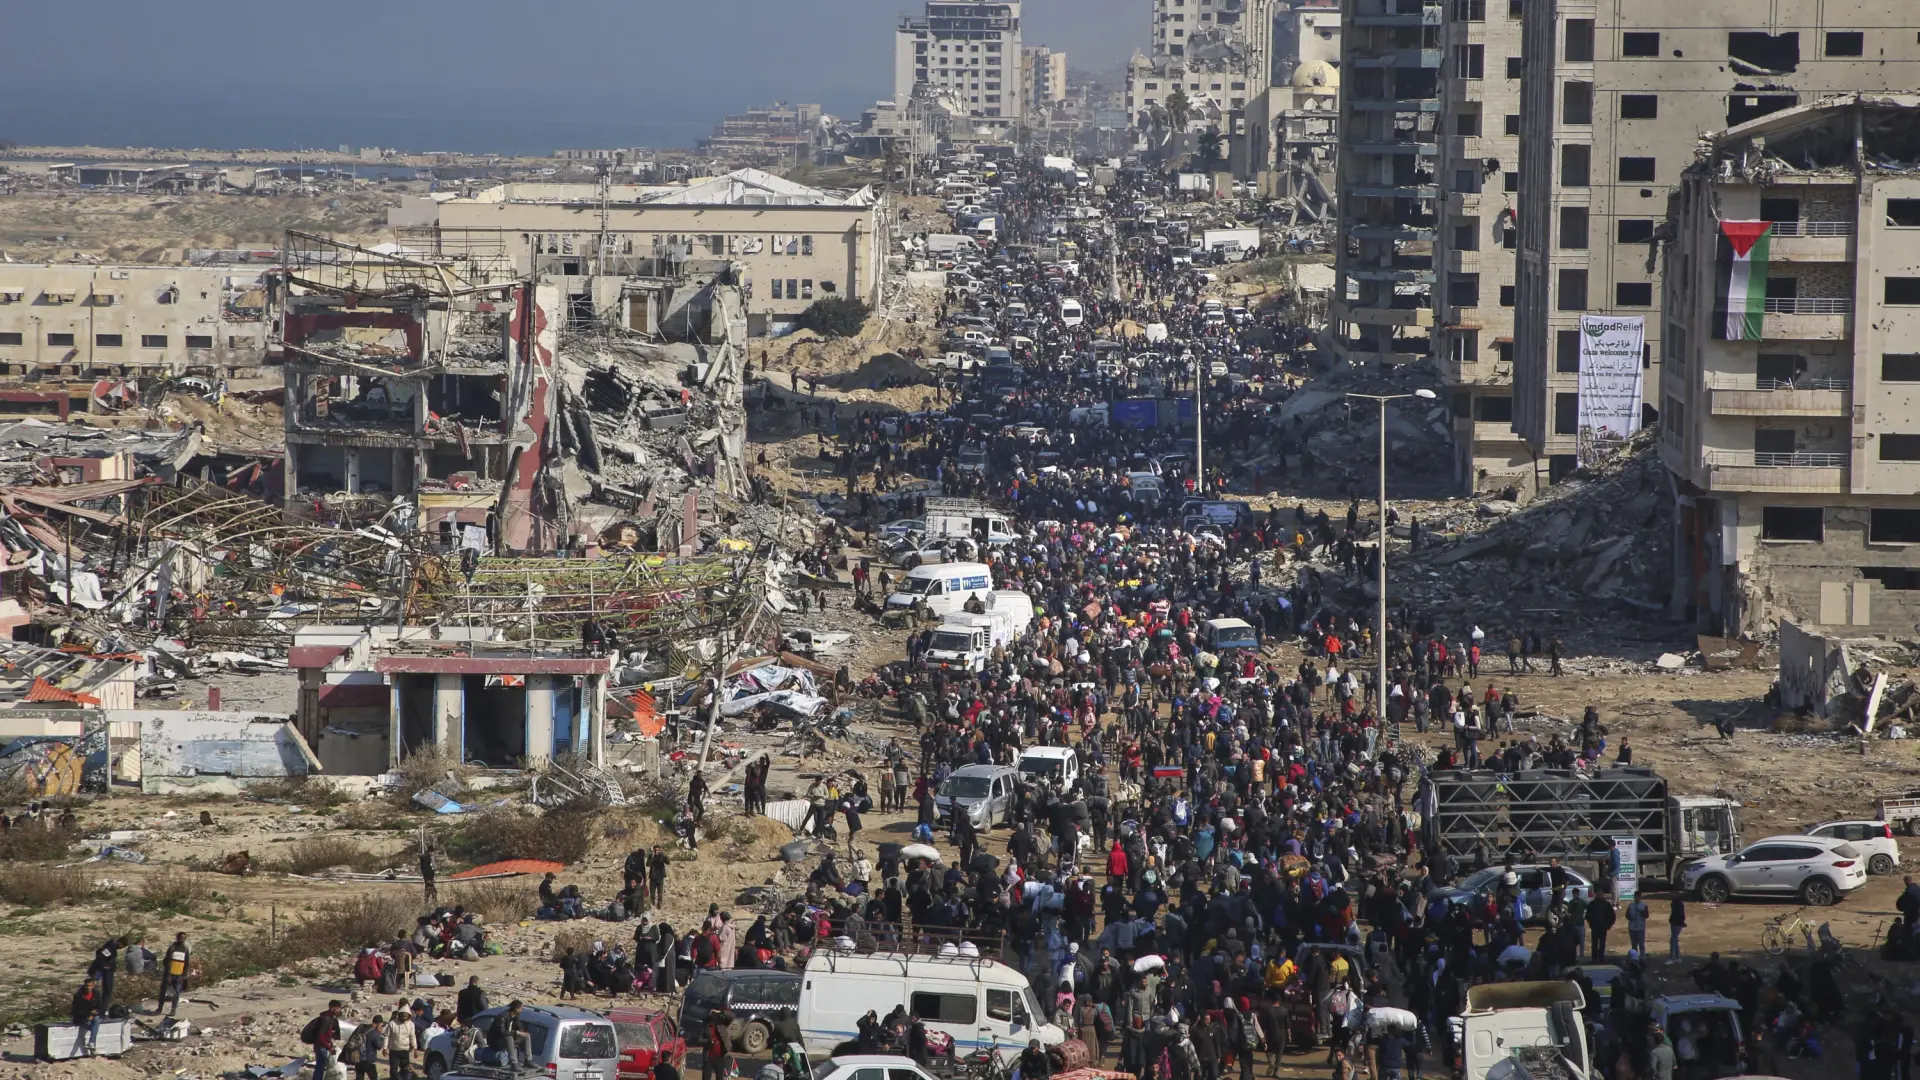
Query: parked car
[
  {"x": 1818, "y": 869},
  {"x": 647, "y": 1037},
  {"x": 983, "y": 792},
  {"x": 869, "y": 1067},
  {"x": 567, "y": 1042},
  {"x": 1874, "y": 839},
  {"x": 763, "y": 1004},
  {"x": 808, "y": 641},
  {"x": 1531, "y": 880}
]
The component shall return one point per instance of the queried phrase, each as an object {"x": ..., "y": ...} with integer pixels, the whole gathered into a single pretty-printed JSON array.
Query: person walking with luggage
[
  {"x": 362, "y": 1050},
  {"x": 173, "y": 974},
  {"x": 323, "y": 1034}
]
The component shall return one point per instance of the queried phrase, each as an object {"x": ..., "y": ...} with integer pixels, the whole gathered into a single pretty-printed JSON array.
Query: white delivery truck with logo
[
  {"x": 965, "y": 519},
  {"x": 981, "y": 1003},
  {"x": 946, "y": 587},
  {"x": 967, "y": 639}
]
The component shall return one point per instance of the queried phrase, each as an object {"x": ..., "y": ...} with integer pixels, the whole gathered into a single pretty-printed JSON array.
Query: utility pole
[
  {"x": 1380, "y": 562},
  {"x": 1199, "y": 435}
]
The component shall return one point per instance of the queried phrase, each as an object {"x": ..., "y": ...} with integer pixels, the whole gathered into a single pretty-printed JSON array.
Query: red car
[{"x": 647, "y": 1036}]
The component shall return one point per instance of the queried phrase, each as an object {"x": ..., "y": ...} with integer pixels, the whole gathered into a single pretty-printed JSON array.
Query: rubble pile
[
  {"x": 645, "y": 424},
  {"x": 1341, "y": 435},
  {"x": 1604, "y": 535}
]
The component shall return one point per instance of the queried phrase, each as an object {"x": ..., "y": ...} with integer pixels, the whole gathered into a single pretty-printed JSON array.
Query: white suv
[
  {"x": 1817, "y": 869},
  {"x": 1874, "y": 839}
]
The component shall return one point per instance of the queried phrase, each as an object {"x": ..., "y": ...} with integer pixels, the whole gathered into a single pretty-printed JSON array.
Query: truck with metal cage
[{"x": 1482, "y": 817}]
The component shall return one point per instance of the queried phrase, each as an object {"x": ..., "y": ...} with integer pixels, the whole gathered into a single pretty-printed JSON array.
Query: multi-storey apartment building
[
  {"x": 1614, "y": 98},
  {"x": 1790, "y": 381},
  {"x": 1043, "y": 72},
  {"x": 1474, "y": 243},
  {"x": 1217, "y": 53},
  {"x": 971, "y": 49},
  {"x": 1191, "y": 27},
  {"x": 1381, "y": 310}
]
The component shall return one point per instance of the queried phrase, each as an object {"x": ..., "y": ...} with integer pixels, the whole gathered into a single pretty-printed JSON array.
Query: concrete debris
[
  {"x": 1670, "y": 662},
  {"x": 1603, "y": 538},
  {"x": 1330, "y": 434}
]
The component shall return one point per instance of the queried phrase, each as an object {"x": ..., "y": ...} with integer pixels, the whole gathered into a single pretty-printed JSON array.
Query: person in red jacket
[{"x": 1116, "y": 861}]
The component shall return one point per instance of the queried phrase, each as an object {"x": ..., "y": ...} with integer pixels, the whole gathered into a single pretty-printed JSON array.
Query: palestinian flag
[{"x": 1744, "y": 277}]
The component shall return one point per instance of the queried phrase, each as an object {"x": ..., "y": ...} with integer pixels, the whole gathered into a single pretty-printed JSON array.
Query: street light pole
[
  {"x": 1380, "y": 561},
  {"x": 1199, "y": 438}
]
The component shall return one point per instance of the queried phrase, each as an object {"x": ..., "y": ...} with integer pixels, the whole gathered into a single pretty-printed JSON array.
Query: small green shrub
[{"x": 835, "y": 316}]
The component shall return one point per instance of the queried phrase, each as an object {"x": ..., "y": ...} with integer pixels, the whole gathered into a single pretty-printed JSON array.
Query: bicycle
[{"x": 1776, "y": 937}]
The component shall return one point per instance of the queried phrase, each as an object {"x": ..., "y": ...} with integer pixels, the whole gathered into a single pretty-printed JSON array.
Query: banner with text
[
  {"x": 1609, "y": 406},
  {"x": 1626, "y": 876}
]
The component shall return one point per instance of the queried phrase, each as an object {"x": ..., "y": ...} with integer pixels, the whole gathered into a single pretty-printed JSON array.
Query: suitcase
[{"x": 62, "y": 1042}]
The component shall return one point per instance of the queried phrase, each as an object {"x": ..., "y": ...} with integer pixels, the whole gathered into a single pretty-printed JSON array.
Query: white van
[
  {"x": 944, "y": 586},
  {"x": 1055, "y": 764},
  {"x": 981, "y": 1003},
  {"x": 1071, "y": 313},
  {"x": 1018, "y": 607},
  {"x": 1218, "y": 634}
]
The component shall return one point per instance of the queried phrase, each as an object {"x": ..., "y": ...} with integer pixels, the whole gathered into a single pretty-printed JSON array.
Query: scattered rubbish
[{"x": 436, "y": 802}]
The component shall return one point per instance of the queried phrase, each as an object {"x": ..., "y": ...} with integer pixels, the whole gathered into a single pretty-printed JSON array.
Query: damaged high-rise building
[{"x": 1790, "y": 381}]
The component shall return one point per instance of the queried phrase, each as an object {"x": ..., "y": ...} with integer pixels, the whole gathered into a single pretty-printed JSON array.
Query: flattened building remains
[{"x": 526, "y": 415}]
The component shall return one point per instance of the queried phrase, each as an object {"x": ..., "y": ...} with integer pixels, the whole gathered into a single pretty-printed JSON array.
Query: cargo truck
[{"x": 1538, "y": 814}]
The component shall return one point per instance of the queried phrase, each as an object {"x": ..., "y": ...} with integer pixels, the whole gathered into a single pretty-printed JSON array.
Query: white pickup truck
[{"x": 953, "y": 361}]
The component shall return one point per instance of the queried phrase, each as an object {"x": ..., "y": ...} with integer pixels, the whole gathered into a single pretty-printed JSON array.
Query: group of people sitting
[{"x": 446, "y": 933}]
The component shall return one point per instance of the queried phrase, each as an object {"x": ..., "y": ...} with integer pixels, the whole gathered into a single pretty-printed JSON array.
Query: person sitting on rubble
[{"x": 593, "y": 639}]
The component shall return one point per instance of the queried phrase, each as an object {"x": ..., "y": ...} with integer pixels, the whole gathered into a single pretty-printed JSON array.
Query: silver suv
[
  {"x": 1817, "y": 869},
  {"x": 983, "y": 792},
  {"x": 567, "y": 1043}
]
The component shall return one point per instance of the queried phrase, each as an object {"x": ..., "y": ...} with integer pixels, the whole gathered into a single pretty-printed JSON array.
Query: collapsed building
[{"x": 409, "y": 387}]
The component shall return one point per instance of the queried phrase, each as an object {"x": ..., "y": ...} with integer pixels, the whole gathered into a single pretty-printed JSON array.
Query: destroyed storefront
[
  {"x": 370, "y": 703},
  {"x": 406, "y": 384}
]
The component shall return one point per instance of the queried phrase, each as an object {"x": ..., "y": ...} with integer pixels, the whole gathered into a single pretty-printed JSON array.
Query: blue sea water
[{"x": 265, "y": 116}]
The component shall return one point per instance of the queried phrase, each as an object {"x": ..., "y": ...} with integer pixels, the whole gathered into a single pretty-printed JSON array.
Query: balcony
[
  {"x": 1739, "y": 395},
  {"x": 1808, "y": 318},
  {"x": 1428, "y": 15},
  {"x": 1397, "y": 233},
  {"x": 1394, "y": 105},
  {"x": 1495, "y": 433},
  {"x": 1748, "y": 470},
  {"x": 1811, "y": 241},
  {"x": 1414, "y": 191},
  {"x": 1424, "y": 149},
  {"x": 1355, "y": 311},
  {"x": 1399, "y": 58}
]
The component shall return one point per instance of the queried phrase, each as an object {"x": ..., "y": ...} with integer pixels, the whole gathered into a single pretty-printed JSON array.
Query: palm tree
[
  {"x": 1178, "y": 110},
  {"x": 1210, "y": 143}
]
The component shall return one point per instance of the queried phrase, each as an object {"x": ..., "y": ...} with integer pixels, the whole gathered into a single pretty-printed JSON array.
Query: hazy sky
[{"x": 292, "y": 72}]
